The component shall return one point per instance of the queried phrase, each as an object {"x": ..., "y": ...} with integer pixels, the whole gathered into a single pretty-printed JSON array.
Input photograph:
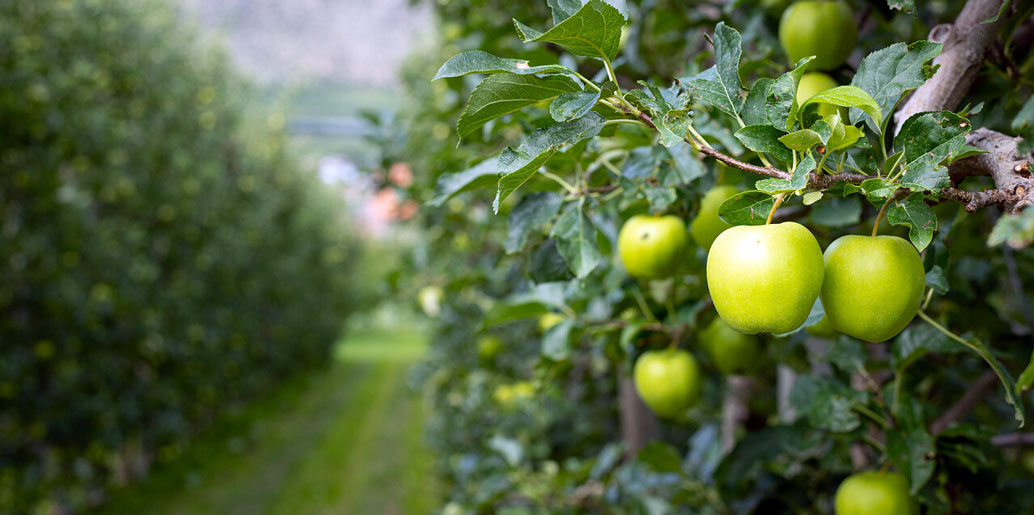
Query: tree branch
[
  {"x": 966, "y": 403},
  {"x": 1013, "y": 440}
]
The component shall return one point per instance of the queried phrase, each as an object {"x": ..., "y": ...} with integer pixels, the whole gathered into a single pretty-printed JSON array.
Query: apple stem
[
  {"x": 879, "y": 217},
  {"x": 778, "y": 201}
]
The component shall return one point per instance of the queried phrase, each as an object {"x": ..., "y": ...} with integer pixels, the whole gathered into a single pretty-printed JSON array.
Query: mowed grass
[{"x": 347, "y": 439}]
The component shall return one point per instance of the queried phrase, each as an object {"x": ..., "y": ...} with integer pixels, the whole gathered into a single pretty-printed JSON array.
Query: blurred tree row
[{"x": 161, "y": 256}]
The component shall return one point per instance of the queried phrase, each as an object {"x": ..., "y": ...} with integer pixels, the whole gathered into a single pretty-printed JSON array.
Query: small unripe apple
[
  {"x": 668, "y": 381},
  {"x": 765, "y": 278},
  {"x": 547, "y": 321},
  {"x": 651, "y": 246},
  {"x": 707, "y": 225},
  {"x": 875, "y": 493},
  {"x": 873, "y": 286},
  {"x": 489, "y": 347},
  {"x": 734, "y": 353}
]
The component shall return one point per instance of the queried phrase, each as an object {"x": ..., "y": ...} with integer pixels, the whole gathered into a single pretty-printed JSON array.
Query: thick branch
[
  {"x": 966, "y": 403},
  {"x": 1005, "y": 164},
  {"x": 966, "y": 43}
]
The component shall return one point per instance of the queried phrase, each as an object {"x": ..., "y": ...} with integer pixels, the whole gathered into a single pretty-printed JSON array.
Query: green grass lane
[{"x": 343, "y": 440}]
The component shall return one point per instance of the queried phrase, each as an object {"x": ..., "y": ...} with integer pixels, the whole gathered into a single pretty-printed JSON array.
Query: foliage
[
  {"x": 162, "y": 257},
  {"x": 564, "y": 172}
]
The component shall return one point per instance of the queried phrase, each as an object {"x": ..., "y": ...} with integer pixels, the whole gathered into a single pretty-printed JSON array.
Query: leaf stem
[
  {"x": 874, "y": 443},
  {"x": 642, "y": 304},
  {"x": 879, "y": 217},
  {"x": 778, "y": 201},
  {"x": 587, "y": 82},
  {"x": 872, "y": 415},
  {"x": 559, "y": 180}
]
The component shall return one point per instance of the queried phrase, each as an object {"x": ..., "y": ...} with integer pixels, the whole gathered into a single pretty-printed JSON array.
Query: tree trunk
[{"x": 638, "y": 423}]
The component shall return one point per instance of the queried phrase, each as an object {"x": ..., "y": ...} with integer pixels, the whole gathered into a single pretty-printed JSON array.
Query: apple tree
[{"x": 800, "y": 233}]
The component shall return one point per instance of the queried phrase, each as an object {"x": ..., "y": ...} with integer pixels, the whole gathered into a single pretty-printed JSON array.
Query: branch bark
[
  {"x": 966, "y": 43},
  {"x": 966, "y": 403},
  {"x": 638, "y": 423},
  {"x": 1013, "y": 440},
  {"x": 735, "y": 409}
]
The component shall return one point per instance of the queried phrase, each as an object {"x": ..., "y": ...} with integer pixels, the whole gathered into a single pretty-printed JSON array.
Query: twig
[
  {"x": 976, "y": 391},
  {"x": 1013, "y": 440}
]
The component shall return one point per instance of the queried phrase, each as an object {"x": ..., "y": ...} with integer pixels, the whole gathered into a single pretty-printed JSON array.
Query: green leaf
[
  {"x": 837, "y": 212},
  {"x": 917, "y": 341},
  {"x": 754, "y": 111},
  {"x": 889, "y": 73},
  {"x": 719, "y": 85},
  {"x": 592, "y": 31},
  {"x": 1025, "y": 117},
  {"x": 518, "y": 165},
  {"x": 1026, "y": 379},
  {"x": 801, "y": 140},
  {"x": 576, "y": 240},
  {"x": 764, "y": 139},
  {"x": 847, "y": 354},
  {"x": 797, "y": 182},
  {"x": 937, "y": 280},
  {"x": 533, "y": 210},
  {"x": 483, "y": 175},
  {"x": 669, "y": 109},
  {"x": 511, "y": 450},
  {"x": 660, "y": 197},
  {"x": 915, "y": 455},
  {"x": 781, "y": 100},
  {"x": 547, "y": 265},
  {"x": 477, "y": 61},
  {"x": 906, "y": 6},
  {"x": 535, "y": 301},
  {"x": 848, "y": 96},
  {"x": 661, "y": 457},
  {"x": 573, "y": 105},
  {"x": 826, "y": 404},
  {"x": 556, "y": 341},
  {"x": 746, "y": 208},
  {"x": 504, "y": 93},
  {"x": 685, "y": 166},
  {"x": 877, "y": 189},
  {"x": 1016, "y": 230},
  {"x": 811, "y": 197},
  {"x": 929, "y": 140},
  {"x": 917, "y": 216}
]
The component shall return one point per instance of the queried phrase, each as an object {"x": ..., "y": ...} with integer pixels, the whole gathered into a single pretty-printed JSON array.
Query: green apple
[
  {"x": 489, "y": 347},
  {"x": 707, "y": 225},
  {"x": 765, "y": 278},
  {"x": 668, "y": 381},
  {"x": 547, "y": 321},
  {"x": 873, "y": 286},
  {"x": 734, "y": 353},
  {"x": 826, "y": 30},
  {"x": 822, "y": 328},
  {"x": 814, "y": 83},
  {"x": 652, "y": 246},
  {"x": 875, "y": 493}
]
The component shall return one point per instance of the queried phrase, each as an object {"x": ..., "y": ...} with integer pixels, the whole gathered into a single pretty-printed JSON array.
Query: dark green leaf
[
  {"x": 547, "y": 265},
  {"x": 937, "y": 280},
  {"x": 797, "y": 182},
  {"x": 915, "y": 214},
  {"x": 891, "y": 72},
  {"x": 914, "y": 453},
  {"x": 555, "y": 342},
  {"x": 764, "y": 139},
  {"x": 660, "y": 197},
  {"x": 917, "y": 341},
  {"x": 1025, "y": 117},
  {"x": 746, "y": 208},
  {"x": 576, "y": 240},
  {"x": 754, "y": 111},
  {"x": 533, "y": 210},
  {"x": 685, "y": 168},
  {"x": 847, "y": 354},
  {"x": 477, "y": 61},
  {"x": 837, "y": 212},
  {"x": 906, "y": 6},
  {"x": 517, "y": 166},
  {"x": 573, "y": 105},
  {"x": 661, "y": 457},
  {"x": 848, "y": 96},
  {"x": 781, "y": 102},
  {"x": 504, "y": 93},
  {"x": 592, "y": 31}
]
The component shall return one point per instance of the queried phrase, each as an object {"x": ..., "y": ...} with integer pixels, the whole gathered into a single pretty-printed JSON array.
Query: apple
[
  {"x": 765, "y": 278},
  {"x": 651, "y": 246},
  {"x": 668, "y": 381},
  {"x": 873, "y": 286},
  {"x": 875, "y": 493},
  {"x": 430, "y": 300},
  {"x": 489, "y": 347},
  {"x": 822, "y": 328},
  {"x": 547, "y": 321},
  {"x": 707, "y": 225},
  {"x": 826, "y": 30},
  {"x": 734, "y": 353},
  {"x": 814, "y": 83}
]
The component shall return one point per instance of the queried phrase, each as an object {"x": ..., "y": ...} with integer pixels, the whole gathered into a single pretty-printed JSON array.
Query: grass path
[{"x": 343, "y": 440}]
